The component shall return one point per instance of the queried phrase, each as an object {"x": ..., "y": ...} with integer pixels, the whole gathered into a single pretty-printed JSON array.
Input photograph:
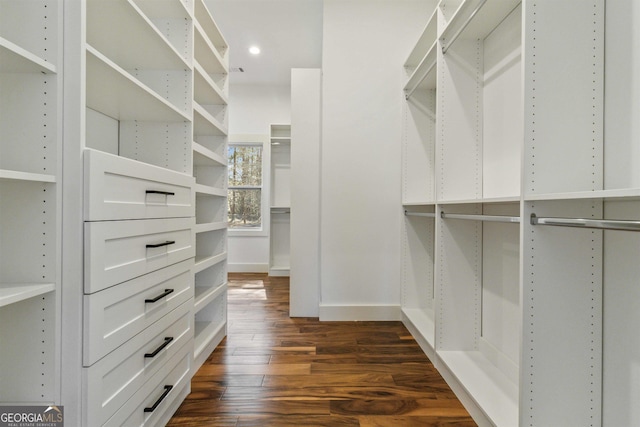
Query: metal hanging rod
[
  {"x": 603, "y": 224},
  {"x": 425, "y": 214},
  {"x": 424, "y": 76},
  {"x": 487, "y": 218},
  {"x": 448, "y": 44},
  {"x": 281, "y": 211}
]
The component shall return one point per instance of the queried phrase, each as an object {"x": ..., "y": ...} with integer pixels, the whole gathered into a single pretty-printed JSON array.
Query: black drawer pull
[
  {"x": 166, "y": 342},
  {"x": 159, "y": 245},
  {"x": 167, "y": 389},
  {"x": 166, "y": 193},
  {"x": 162, "y": 295}
]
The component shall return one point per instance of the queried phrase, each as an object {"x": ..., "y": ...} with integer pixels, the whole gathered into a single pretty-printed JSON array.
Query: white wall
[
  {"x": 364, "y": 47},
  {"x": 252, "y": 108}
]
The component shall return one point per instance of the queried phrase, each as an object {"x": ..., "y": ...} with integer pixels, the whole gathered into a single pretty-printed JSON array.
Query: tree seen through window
[{"x": 245, "y": 186}]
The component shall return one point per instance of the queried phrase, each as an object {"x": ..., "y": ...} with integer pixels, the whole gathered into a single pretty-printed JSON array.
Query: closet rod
[
  {"x": 425, "y": 214},
  {"x": 603, "y": 224},
  {"x": 281, "y": 211},
  {"x": 488, "y": 218},
  {"x": 445, "y": 47},
  {"x": 424, "y": 76}
]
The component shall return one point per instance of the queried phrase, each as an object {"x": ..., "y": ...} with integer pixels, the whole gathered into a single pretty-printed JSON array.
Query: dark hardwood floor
[{"x": 273, "y": 370}]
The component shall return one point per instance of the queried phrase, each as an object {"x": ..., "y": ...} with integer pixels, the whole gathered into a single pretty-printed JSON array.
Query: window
[{"x": 245, "y": 186}]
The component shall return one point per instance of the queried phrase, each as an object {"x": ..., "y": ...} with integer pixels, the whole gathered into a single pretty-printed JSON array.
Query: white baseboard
[
  {"x": 380, "y": 312},
  {"x": 248, "y": 268}
]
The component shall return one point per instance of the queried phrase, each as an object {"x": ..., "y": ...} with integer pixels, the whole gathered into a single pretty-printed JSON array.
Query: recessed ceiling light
[{"x": 254, "y": 50}]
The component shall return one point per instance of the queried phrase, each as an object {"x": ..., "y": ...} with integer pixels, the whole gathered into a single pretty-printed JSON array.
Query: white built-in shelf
[
  {"x": 13, "y": 293},
  {"x": 425, "y": 42},
  {"x": 488, "y": 386},
  {"x": 483, "y": 201},
  {"x": 14, "y": 59},
  {"x": 422, "y": 320},
  {"x": 284, "y": 140},
  {"x": 206, "y": 294},
  {"x": 164, "y": 9},
  {"x": 120, "y": 29},
  {"x": 204, "y": 333},
  {"x": 26, "y": 176},
  {"x": 114, "y": 92},
  {"x": 202, "y": 156},
  {"x": 206, "y": 91},
  {"x": 212, "y": 191},
  {"x": 206, "y": 53},
  {"x": 210, "y": 226},
  {"x": 210, "y": 28},
  {"x": 204, "y": 262},
  {"x": 205, "y": 123},
  {"x": 418, "y": 204},
  {"x": 626, "y": 193},
  {"x": 475, "y": 19},
  {"x": 424, "y": 76}
]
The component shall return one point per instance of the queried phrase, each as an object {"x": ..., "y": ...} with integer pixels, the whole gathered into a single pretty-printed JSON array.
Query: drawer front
[
  {"x": 116, "y": 251},
  {"x": 112, "y": 381},
  {"x": 150, "y": 404},
  {"x": 120, "y": 188},
  {"x": 115, "y": 315}
]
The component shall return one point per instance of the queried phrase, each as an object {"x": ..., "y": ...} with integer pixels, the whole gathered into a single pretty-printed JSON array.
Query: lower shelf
[
  {"x": 279, "y": 271},
  {"x": 483, "y": 389},
  {"x": 207, "y": 337},
  {"x": 419, "y": 322}
]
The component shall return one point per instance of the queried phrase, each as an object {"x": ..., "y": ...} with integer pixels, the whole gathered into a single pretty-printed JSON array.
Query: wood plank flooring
[{"x": 273, "y": 370}]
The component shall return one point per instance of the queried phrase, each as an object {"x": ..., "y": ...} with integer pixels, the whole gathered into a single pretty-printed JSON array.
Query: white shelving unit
[
  {"x": 211, "y": 66},
  {"x": 280, "y": 227},
  {"x": 30, "y": 201},
  {"x": 505, "y": 117},
  {"x": 145, "y": 168}
]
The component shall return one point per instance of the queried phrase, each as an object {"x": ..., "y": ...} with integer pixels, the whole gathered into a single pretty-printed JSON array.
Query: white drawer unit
[
  {"x": 116, "y": 251},
  {"x": 120, "y": 188},
  {"x": 114, "y": 315},
  {"x": 155, "y": 402},
  {"x": 111, "y": 382}
]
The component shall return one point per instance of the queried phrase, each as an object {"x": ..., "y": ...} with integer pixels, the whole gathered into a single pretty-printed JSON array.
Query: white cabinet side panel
[
  {"x": 306, "y": 85},
  {"x": 418, "y": 147},
  {"x": 501, "y": 314},
  {"x": 502, "y": 109},
  {"x": 622, "y": 95},
  {"x": 563, "y": 94},
  {"x": 459, "y": 281},
  {"x": 459, "y": 147},
  {"x": 562, "y": 318},
  {"x": 621, "y": 352}
]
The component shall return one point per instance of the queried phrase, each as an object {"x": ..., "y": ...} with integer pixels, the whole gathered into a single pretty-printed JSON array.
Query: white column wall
[
  {"x": 365, "y": 44},
  {"x": 252, "y": 108}
]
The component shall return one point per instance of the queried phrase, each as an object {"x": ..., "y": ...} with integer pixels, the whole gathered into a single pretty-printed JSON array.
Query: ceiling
[{"x": 288, "y": 33}]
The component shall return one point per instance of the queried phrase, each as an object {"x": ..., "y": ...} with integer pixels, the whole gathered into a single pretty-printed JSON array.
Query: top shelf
[
  {"x": 209, "y": 27},
  {"x": 424, "y": 76},
  {"x": 164, "y": 9},
  {"x": 424, "y": 43},
  {"x": 14, "y": 59},
  {"x": 121, "y": 31},
  {"x": 476, "y": 19}
]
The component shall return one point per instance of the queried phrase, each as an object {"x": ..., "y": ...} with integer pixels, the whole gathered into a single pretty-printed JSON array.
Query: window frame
[{"x": 263, "y": 142}]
